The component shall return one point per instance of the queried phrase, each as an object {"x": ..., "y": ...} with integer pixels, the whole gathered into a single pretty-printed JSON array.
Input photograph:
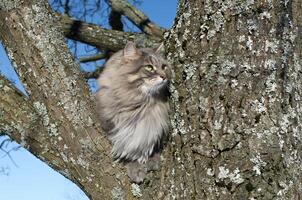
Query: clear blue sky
[{"x": 31, "y": 179}]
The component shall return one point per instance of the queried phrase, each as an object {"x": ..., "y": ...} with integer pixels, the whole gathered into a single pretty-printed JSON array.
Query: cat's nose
[{"x": 163, "y": 77}]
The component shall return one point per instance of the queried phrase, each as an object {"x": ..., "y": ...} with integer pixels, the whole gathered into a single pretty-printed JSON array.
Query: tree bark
[
  {"x": 57, "y": 122},
  {"x": 101, "y": 38},
  {"x": 236, "y": 100},
  {"x": 236, "y": 129}
]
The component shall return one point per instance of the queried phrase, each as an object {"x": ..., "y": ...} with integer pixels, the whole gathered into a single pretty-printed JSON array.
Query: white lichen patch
[
  {"x": 177, "y": 123},
  {"x": 227, "y": 67},
  {"x": 265, "y": 15},
  {"x": 249, "y": 43},
  {"x": 210, "y": 172},
  {"x": 23, "y": 135},
  {"x": 293, "y": 158},
  {"x": 217, "y": 125},
  {"x": 72, "y": 160},
  {"x": 259, "y": 105},
  {"x": 271, "y": 46},
  {"x": 285, "y": 122},
  {"x": 82, "y": 162},
  {"x": 136, "y": 191},
  {"x": 252, "y": 26},
  {"x": 248, "y": 66},
  {"x": 223, "y": 173},
  {"x": 64, "y": 157},
  {"x": 47, "y": 43},
  {"x": 203, "y": 30},
  {"x": 241, "y": 38},
  {"x": 259, "y": 163},
  {"x": 117, "y": 193},
  {"x": 234, "y": 176},
  {"x": 234, "y": 83},
  {"x": 270, "y": 64},
  {"x": 219, "y": 21},
  {"x": 271, "y": 86},
  {"x": 9, "y": 5},
  {"x": 6, "y": 88},
  {"x": 285, "y": 187},
  {"x": 86, "y": 143},
  {"x": 43, "y": 113},
  {"x": 190, "y": 70},
  {"x": 214, "y": 14}
]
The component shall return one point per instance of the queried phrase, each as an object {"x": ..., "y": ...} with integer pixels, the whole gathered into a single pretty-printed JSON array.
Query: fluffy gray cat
[{"x": 132, "y": 102}]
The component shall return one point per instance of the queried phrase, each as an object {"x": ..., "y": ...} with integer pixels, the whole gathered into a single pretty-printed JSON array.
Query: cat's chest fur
[{"x": 137, "y": 132}]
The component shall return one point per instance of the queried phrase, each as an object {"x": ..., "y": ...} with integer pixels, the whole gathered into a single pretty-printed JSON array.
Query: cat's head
[{"x": 146, "y": 68}]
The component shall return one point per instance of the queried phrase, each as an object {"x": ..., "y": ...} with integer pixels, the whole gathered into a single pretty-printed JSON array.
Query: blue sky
[{"x": 28, "y": 178}]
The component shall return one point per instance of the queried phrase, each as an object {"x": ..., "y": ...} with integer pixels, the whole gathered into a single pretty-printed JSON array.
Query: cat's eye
[
  {"x": 149, "y": 68},
  {"x": 164, "y": 66}
]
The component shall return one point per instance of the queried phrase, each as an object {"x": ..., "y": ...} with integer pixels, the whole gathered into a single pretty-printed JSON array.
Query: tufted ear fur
[{"x": 130, "y": 51}]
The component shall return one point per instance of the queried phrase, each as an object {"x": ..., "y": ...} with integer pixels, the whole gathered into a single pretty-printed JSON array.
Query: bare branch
[
  {"x": 66, "y": 7},
  {"x": 59, "y": 123},
  {"x": 93, "y": 58},
  {"x": 104, "y": 39},
  {"x": 137, "y": 17},
  {"x": 115, "y": 20},
  {"x": 18, "y": 117},
  {"x": 7, "y": 153}
]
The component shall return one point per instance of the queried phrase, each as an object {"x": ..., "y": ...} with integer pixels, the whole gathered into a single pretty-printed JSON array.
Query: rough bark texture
[
  {"x": 104, "y": 39},
  {"x": 58, "y": 122},
  {"x": 236, "y": 99}
]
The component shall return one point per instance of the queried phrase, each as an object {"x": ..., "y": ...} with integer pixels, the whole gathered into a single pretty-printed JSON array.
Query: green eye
[{"x": 149, "y": 68}]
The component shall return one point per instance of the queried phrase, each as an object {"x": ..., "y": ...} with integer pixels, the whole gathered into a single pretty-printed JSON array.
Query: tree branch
[
  {"x": 58, "y": 123},
  {"x": 103, "y": 39},
  {"x": 115, "y": 21},
  {"x": 136, "y": 17},
  {"x": 20, "y": 120},
  {"x": 93, "y": 58}
]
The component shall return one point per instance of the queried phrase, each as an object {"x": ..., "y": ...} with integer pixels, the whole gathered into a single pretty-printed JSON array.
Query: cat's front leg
[
  {"x": 153, "y": 162},
  {"x": 136, "y": 171}
]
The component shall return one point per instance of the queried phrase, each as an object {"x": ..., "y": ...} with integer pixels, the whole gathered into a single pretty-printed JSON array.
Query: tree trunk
[
  {"x": 57, "y": 122},
  {"x": 236, "y": 99}
]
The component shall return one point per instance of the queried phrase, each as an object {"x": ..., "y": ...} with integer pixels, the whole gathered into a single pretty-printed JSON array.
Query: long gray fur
[{"x": 133, "y": 112}]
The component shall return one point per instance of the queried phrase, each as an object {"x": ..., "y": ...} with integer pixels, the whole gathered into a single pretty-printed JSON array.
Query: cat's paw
[
  {"x": 136, "y": 172},
  {"x": 153, "y": 162}
]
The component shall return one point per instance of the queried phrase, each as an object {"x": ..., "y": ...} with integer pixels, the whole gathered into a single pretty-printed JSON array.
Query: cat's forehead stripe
[{"x": 154, "y": 59}]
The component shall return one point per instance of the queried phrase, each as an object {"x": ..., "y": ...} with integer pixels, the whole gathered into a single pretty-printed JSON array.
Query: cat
[{"x": 133, "y": 106}]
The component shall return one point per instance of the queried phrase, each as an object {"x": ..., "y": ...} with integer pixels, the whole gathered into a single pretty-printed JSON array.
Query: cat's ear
[
  {"x": 130, "y": 51},
  {"x": 160, "y": 48}
]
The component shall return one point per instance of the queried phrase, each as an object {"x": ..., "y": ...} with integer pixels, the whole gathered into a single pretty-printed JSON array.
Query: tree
[{"x": 236, "y": 100}]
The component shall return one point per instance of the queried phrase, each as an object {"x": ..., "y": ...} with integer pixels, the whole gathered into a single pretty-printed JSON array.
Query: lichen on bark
[{"x": 235, "y": 98}]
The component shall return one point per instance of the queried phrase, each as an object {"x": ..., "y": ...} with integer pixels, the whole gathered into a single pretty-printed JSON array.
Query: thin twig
[
  {"x": 137, "y": 17},
  {"x": 93, "y": 58},
  {"x": 115, "y": 21},
  {"x": 7, "y": 153}
]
